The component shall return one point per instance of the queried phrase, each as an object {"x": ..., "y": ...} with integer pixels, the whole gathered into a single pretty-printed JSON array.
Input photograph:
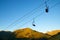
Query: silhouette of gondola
[
  {"x": 46, "y": 9},
  {"x": 33, "y": 23}
]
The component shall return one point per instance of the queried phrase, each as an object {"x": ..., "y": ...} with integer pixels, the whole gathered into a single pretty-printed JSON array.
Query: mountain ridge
[
  {"x": 28, "y": 33},
  {"x": 54, "y": 32}
]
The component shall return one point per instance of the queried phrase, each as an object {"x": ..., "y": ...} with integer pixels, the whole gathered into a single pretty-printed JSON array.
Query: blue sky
[{"x": 12, "y": 10}]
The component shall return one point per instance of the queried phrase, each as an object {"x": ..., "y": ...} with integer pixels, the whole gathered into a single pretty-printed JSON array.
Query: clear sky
[{"x": 12, "y": 10}]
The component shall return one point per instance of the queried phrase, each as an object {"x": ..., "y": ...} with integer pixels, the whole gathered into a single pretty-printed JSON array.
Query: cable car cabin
[
  {"x": 33, "y": 24},
  {"x": 46, "y": 10}
]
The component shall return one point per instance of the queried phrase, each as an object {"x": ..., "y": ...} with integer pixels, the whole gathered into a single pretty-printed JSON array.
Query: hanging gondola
[
  {"x": 33, "y": 23},
  {"x": 46, "y": 9}
]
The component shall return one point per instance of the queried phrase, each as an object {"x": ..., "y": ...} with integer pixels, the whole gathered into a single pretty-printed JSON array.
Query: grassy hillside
[
  {"x": 55, "y": 37},
  {"x": 53, "y": 32},
  {"x": 29, "y": 34}
]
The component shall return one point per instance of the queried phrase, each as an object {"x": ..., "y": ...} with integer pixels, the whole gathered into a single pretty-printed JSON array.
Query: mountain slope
[
  {"x": 28, "y": 33},
  {"x": 53, "y": 32},
  {"x": 55, "y": 37}
]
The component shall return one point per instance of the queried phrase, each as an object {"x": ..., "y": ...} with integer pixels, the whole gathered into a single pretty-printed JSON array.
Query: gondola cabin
[
  {"x": 46, "y": 10},
  {"x": 33, "y": 24}
]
